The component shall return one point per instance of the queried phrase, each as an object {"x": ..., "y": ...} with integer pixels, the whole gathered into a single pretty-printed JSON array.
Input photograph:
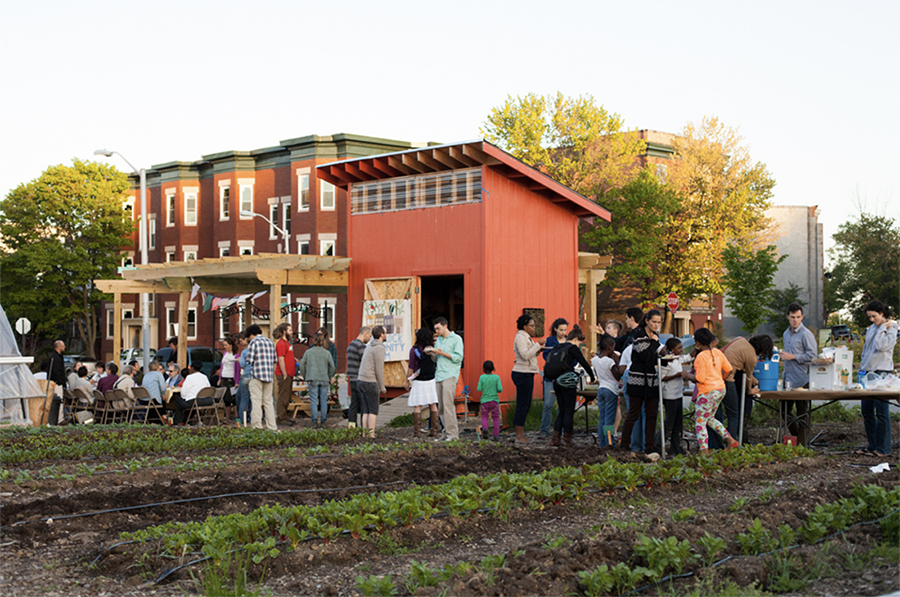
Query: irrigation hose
[{"x": 205, "y": 498}]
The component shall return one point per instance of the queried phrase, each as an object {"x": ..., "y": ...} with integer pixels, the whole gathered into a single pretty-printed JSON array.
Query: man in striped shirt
[
  {"x": 261, "y": 358},
  {"x": 354, "y": 356}
]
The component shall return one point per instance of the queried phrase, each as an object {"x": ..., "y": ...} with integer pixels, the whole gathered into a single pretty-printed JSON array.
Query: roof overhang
[{"x": 457, "y": 156}]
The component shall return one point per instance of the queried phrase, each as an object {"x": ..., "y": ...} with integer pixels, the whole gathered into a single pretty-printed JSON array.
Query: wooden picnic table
[{"x": 826, "y": 396}]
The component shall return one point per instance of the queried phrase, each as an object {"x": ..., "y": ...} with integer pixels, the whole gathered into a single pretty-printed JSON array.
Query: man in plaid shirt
[{"x": 261, "y": 358}]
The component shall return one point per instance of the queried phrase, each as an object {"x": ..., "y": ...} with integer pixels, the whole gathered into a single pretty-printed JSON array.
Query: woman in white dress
[{"x": 420, "y": 381}]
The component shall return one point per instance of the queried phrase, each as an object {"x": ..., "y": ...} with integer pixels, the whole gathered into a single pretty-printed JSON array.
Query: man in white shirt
[{"x": 193, "y": 383}]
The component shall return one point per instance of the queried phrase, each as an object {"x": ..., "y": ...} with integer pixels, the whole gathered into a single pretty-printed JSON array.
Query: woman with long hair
[
  {"x": 877, "y": 357},
  {"x": 317, "y": 368},
  {"x": 420, "y": 382},
  {"x": 526, "y": 349},
  {"x": 566, "y": 386},
  {"x": 558, "y": 330},
  {"x": 643, "y": 382}
]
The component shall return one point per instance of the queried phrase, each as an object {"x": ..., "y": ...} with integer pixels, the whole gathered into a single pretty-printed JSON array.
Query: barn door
[{"x": 386, "y": 304}]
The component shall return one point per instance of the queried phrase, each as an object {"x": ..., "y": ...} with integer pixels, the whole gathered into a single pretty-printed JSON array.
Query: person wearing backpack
[
  {"x": 526, "y": 349},
  {"x": 643, "y": 382},
  {"x": 560, "y": 368},
  {"x": 420, "y": 382}
]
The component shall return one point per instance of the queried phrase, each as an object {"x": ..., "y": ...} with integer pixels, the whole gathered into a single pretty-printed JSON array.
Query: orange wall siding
[{"x": 531, "y": 261}]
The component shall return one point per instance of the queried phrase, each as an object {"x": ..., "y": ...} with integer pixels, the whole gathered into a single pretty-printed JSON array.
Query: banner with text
[{"x": 393, "y": 316}]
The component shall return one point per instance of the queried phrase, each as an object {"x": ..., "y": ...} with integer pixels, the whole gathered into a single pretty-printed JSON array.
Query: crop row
[
  {"x": 71, "y": 472},
  {"x": 25, "y": 447},
  {"x": 261, "y": 529},
  {"x": 653, "y": 558}
]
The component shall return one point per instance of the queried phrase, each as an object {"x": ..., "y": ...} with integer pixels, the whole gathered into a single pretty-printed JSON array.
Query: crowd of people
[{"x": 630, "y": 363}]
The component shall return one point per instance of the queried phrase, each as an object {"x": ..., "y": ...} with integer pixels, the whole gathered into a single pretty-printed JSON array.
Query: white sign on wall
[{"x": 393, "y": 316}]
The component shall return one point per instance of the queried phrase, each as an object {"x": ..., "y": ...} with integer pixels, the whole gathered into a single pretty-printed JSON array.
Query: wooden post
[
  {"x": 590, "y": 308},
  {"x": 248, "y": 313},
  {"x": 117, "y": 329},
  {"x": 274, "y": 307},
  {"x": 183, "y": 299}
]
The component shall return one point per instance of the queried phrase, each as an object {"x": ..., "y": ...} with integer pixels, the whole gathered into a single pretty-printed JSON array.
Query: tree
[
  {"x": 778, "y": 307},
  {"x": 724, "y": 197},
  {"x": 60, "y": 232},
  {"x": 749, "y": 276},
  {"x": 865, "y": 265},
  {"x": 572, "y": 140},
  {"x": 640, "y": 207}
]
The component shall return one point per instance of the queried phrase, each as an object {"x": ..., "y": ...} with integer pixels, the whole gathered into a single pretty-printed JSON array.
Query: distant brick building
[{"x": 195, "y": 212}]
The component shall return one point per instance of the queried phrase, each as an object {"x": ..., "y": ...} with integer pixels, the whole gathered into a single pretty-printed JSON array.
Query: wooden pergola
[
  {"x": 591, "y": 271},
  {"x": 245, "y": 274}
]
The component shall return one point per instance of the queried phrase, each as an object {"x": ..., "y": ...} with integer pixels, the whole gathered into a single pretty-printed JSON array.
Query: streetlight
[
  {"x": 284, "y": 233},
  {"x": 142, "y": 235}
]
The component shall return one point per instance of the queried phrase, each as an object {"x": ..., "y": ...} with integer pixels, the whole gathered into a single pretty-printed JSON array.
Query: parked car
[
  {"x": 210, "y": 358},
  {"x": 840, "y": 332},
  {"x": 71, "y": 359},
  {"x": 134, "y": 354}
]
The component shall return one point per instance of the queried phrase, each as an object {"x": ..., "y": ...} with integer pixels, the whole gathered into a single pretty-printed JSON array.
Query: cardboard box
[{"x": 832, "y": 374}]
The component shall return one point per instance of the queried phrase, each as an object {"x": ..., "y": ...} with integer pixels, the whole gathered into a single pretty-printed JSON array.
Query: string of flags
[{"x": 217, "y": 302}]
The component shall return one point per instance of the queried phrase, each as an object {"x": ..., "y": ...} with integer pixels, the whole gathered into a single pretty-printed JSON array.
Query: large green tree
[
  {"x": 749, "y": 277},
  {"x": 865, "y": 265},
  {"x": 60, "y": 232},
  {"x": 571, "y": 139}
]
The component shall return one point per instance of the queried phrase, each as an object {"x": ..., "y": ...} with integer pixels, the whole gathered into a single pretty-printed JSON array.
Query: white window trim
[
  {"x": 224, "y": 186},
  {"x": 323, "y": 243},
  {"x": 110, "y": 323},
  {"x": 170, "y": 315},
  {"x": 273, "y": 203},
  {"x": 196, "y": 323},
  {"x": 170, "y": 203},
  {"x": 151, "y": 231},
  {"x": 245, "y": 244},
  {"x": 224, "y": 250},
  {"x": 301, "y": 172},
  {"x": 299, "y": 329},
  {"x": 242, "y": 184},
  {"x": 322, "y": 206},
  {"x": 186, "y": 192},
  {"x": 332, "y": 306},
  {"x": 222, "y": 321}
]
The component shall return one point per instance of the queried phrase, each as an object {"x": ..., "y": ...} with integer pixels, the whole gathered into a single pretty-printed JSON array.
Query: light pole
[
  {"x": 284, "y": 233},
  {"x": 142, "y": 236}
]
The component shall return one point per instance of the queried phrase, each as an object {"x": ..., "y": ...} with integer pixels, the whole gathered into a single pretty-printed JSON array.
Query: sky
[{"x": 813, "y": 87}]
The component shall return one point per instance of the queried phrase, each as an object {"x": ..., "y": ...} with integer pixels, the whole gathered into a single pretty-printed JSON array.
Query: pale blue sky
[{"x": 812, "y": 86}]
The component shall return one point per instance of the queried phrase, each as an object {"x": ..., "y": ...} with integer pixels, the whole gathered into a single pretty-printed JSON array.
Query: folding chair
[
  {"x": 204, "y": 413},
  {"x": 102, "y": 408},
  {"x": 146, "y": 407},
  {"x": 219, "y": 401},
  {"x": 68, "y": 404},
  {"x": 84, "y": 410},
  {"x": 119, "y": 405}
]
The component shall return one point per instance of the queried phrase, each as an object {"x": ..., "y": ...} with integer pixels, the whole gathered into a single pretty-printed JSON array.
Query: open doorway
[{"x": 443, "y": 296}]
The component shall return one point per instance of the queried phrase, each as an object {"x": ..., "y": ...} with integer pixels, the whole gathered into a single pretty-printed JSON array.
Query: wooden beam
[
  {"x": 218, "y": 269},
  {"x": 117, "y": 330},
  {"x": 274, "y": 307},
  {"x": 131, "y": 286},
  {"x": 431, "y": 162},
  {"x": 445, "y": 158},
  {"x": 397, "y": 164},
  {"x": 339, "y": 172},
  {"x": 317, "y": 278},
  {"x": 313, "y": 289},
  {"x": 383, "y": 165},
  {"x": 356, "y": 172},
  {"x": 183, "y": 300},
  {"x": 411, "y": 160},
  {"x": 271, "y": 276},
  {"x": 457, "y": 154},
  {"x": 590, "y": 308},
  {"x": 177, "y": 284},
  {"x": 248, "y": 313},
  {"x": 369, "y": 169},
  {"x": 478, "y": 155}
]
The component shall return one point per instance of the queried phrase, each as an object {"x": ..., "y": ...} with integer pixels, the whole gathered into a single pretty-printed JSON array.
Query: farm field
[{"x": 220, "y": 511}]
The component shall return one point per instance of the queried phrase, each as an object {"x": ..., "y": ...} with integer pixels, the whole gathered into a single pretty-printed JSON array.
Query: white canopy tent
[{"x": 17, "y": 384}]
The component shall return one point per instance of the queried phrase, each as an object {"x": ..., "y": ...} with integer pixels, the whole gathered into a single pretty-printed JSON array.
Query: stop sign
[{"x": 672, "y": 301}]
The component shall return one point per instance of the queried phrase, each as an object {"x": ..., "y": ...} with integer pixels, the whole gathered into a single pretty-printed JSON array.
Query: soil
[{"x": 544, "y": 549}]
